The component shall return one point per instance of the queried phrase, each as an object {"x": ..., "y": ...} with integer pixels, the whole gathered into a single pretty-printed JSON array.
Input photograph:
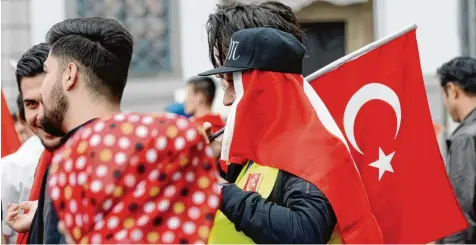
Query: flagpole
[{"x": 359, "y": 52}]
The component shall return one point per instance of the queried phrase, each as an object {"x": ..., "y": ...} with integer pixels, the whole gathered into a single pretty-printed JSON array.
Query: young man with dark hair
[
  {"x": 29, "y": 74},
  {"x": 199, "y": 100},
  {"x": 85, "y": 76},
  {"x": 86, "y": 72},
  {"x": 293, "y": 210},
  {"x": 18, "y": 180},
  {"x": 458, "y": 82},
  {"x": 229, "y": 18}
]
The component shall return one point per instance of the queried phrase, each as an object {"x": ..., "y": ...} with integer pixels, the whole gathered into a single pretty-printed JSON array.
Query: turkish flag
[
  {"x": 10, "y": 140},
  {"x": 278, "y": 120},
  {"x": 379, "y": 102}
]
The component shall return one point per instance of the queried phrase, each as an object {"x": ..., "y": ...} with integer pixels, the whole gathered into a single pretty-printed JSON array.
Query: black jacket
[
  {"x": 461, "y": 167},
  {"x": 44, "y": 227},
  {"x": 295, "y": 212}
]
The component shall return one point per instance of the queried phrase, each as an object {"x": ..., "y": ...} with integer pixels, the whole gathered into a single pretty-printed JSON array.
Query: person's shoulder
[
  {"x": 466, "y": 130},
  {"x": 11, "y": 158},
  {"x": 32, "y": 143},
  {"x": 462, "y": 142},
  {"x": 462, "y": 138}
]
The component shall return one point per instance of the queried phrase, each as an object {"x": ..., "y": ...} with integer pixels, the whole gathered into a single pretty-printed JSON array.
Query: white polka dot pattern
[{"x": 135, "y": 178}]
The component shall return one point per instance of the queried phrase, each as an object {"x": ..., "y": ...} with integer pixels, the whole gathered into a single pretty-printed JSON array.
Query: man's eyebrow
[{"x": 29, "y": 101}]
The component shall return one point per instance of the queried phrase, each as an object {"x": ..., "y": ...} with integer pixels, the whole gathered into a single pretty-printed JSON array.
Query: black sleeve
[
  {"x": 462, "y": 173},
  {"x": 306, "y": 217}
]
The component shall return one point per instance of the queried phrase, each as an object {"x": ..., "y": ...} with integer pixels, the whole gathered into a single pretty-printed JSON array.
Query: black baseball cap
[{"x": 266, "y": 49}]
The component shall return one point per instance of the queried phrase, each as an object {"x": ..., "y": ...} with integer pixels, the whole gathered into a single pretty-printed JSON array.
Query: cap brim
[{"x": 223, "y": 69}]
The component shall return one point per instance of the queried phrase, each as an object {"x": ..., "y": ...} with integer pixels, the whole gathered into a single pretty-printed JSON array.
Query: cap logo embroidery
[{"x": 232, "y": 51}]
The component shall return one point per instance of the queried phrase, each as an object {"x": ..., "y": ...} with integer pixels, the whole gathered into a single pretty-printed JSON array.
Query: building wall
[
  {"x": 16, "y": 38},
  {"x": 358, "y": 19},
  {"x": 438, "y": 27},
  {"x": 438, "y": 38},
  {"x": 150, "y": 92},
  {"x": 24, "y": 23}
]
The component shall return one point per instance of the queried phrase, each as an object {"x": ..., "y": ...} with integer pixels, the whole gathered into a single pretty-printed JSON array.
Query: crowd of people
[{"x": 89, "y": 173}]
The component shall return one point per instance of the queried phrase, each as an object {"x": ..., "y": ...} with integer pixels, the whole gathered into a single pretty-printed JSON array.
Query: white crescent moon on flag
[{"x": 372, "y": 91}]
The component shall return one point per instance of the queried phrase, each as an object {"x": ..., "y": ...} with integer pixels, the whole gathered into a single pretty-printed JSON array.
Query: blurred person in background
[
  {"x": 198, "y": 103},
  {"x": 176, "y": 108},
  {"x": 458, "y": 82},
  {"x": 20, "y": 177},
  {"x": 199, "y": 100},
  {"x": 85, "y": 76},
  {"x": 160, "y": 187}
]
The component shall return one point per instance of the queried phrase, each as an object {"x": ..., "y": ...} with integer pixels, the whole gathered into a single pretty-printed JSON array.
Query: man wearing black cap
[{"x": 262, "y": 201}]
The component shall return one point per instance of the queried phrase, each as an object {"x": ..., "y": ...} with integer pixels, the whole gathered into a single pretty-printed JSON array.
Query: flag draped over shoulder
[
  {"x": 10, "y": 140},
  {"x": 379, "y": 101},
  {"x": 278, "y": 120}
]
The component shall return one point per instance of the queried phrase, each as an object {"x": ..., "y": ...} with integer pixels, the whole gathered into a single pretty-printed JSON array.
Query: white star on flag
[{"x": 383, "y": 163}]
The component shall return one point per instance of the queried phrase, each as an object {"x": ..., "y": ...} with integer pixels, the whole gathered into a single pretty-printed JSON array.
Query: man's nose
[{"x": 41, "y": 112}]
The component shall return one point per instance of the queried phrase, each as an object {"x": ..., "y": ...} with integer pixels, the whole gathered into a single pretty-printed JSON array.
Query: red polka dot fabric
[{"x": 136, "y": 178}]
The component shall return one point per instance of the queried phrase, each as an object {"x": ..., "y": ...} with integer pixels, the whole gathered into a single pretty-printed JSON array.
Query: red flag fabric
[
  {"x": 136, "y": 178},
  {"x": 278, "y": 120},
  {"x": 10, "y": 140},
  {"x": 378, "y": 100},
  {"x": 43, "y": 165},
  {"x": 214, "y": 119}
]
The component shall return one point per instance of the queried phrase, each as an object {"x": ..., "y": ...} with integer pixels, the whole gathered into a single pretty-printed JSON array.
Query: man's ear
[
  {"x": 453, "y": 90},
  {"x": 202, "y": 98},
  {"x": 70, "y": 76}
]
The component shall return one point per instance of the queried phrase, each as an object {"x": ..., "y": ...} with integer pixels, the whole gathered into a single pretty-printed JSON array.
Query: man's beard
[{"x": 52, "y": 122}]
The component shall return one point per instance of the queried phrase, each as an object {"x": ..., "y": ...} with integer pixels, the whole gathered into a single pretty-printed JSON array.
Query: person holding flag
[
  {"x": 279, "y": 121},
  {"x": 267, "y": 202}
]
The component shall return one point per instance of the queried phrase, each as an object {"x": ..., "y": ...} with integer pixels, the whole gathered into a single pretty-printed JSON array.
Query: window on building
[
  {"x": 16, "y": 39},
  {"x": 325, "y": 43},
  {"x": 147, "y": 21}
]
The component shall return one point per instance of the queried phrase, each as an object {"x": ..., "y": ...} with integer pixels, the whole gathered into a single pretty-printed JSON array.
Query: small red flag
[
  {"x": 380, "y": 104},
  {"x": 10, "y": 140}
]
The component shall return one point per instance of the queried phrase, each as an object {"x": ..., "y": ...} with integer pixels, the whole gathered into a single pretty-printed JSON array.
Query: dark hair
[
  {"x": 31, "y": 63},
  {"x": 21, "y": 108},
  {"x": 462, "y": 72},
  {"x": 100, "y": 46},
  {"x": 232, "y": 17},
  {"x": 204, "y": 85},
  {"x": 15, "y": 118}
]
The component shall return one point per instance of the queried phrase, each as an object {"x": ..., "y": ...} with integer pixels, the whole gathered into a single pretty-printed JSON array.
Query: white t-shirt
[{"x": 18, "y": 172}]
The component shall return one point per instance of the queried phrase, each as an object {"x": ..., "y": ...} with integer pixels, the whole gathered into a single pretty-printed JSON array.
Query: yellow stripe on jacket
[{"x": 223, "y": 230}]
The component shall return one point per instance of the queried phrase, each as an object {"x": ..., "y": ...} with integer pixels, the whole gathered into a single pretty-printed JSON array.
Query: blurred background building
[{"x": 171, "y": 43}]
